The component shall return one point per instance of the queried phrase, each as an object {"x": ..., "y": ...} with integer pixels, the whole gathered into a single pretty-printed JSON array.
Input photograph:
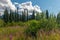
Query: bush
[
  {"x": 20, "y": 23},
  {"x": 10, "y": 24},
  {"x": 1, "y": 23},
  {"x": 32, "y": 28},
  {"x": 15, "y": 24},
  {"x": 47, "y": 25}
]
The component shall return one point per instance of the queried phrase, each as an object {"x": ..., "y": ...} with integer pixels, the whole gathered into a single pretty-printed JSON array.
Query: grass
[
  {"x": 5, "y": 32},
  {"x": 53, "y": 35},
  {"x": 18, "y": 34},
  {"x": 23, "y": 30}
]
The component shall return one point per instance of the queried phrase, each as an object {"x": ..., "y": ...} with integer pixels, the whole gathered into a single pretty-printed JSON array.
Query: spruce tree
[
  {"x": 23, "y": 16},
  {"x": 33, "y": 15},
  {"x": 17, "y": 15},
  {"x": 58, "y": 18},
  {"x": 27, "y": 15},
  {"x": 11, "y": 16},
  {"x": 6, "y": 16},
  {"x": 47, "y": 14}
]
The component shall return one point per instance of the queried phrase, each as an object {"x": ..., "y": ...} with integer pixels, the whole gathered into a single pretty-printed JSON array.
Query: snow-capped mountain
[{"x": 26, "y": 5}]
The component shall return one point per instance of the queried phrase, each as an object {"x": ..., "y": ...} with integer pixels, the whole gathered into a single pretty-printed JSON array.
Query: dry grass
[{"x": 18, "y": 34}]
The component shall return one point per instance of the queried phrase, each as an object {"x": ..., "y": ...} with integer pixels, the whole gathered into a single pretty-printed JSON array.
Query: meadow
[
  {"x": 19, "y": 27},
  {"x": 30, "y": 30}
]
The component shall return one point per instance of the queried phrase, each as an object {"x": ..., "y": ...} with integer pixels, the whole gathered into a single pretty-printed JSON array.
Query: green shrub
[
  {"x": 10, "y": 24},
  {"x": 32, "y": 28},
  {"x": 47, "y": 25},
  {"x": 20, "y": 23},
  {"x": 1, "y": 23},
  {"x": 58, "y": 25}
]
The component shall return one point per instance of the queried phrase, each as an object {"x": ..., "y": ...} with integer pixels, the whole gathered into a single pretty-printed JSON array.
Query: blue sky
[{"x": 53, "y": 6}]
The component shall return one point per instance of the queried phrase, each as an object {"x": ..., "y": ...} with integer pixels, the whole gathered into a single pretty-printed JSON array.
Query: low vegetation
[{"x": 40, "y": 27}]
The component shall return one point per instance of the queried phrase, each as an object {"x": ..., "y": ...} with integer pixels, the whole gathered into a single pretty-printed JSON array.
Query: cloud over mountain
[
  {"x": 29, "y": 6},
  {"x": 7, "y": 3},
  {"x": 25, "y": 5}
]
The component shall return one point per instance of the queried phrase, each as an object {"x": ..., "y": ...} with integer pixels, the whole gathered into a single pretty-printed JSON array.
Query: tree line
[{"x": 16, "y": 17}]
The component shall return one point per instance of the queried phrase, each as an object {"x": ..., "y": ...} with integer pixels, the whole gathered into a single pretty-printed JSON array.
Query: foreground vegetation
[
  {"x": 32, "y": 30},
  {"x": 40, "y": 27},
  {"x": 17, "y": 33}
]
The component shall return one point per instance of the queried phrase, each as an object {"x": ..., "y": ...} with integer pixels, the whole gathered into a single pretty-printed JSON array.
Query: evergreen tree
[
  {"x": 6, "y": 16},
  {"x": 10, "y": 20},
  {"x": 42, "y": 15},
  {"x": 38, "y": 16},
  {"x": 47, "y": 14},
  {"x": 17, "y": 15},
  {"x": 27, "y": 15},
  {"x": 20, "y": 17},
  {"x": 58, "y": 18},
  {"x": 11, "y": 17},
  {"x": 33, "y": 14},
  {"x": 23, "y": 16}
]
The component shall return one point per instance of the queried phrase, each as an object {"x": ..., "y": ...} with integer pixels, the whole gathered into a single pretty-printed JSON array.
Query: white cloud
[
  {"x": 29, "y": 6},
  {"x": 37, "y": 8},
  {"x": 7, "y": 3},
  {"x": 4, "y": 4},
  {"x": 26, "y": 5}
]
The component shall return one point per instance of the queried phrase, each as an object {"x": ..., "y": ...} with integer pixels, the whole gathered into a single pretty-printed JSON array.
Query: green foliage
[
  {"x": 38, "y": 16},
  {"x": 58, "y": 18},
  {"x": 20, "y": 24},
  {"x": 32, "y": 28},
  {"x": 6, "y": 16},
  {"x": 11, "y": 24},
  {"x": 11, "y": 16},
  {"x": 42, "y": 15},
  {"x": 44, "y": 21},
  {"x": 23, "y": 16},
  {"x": 47, "y": 14},
  {"x": 2, "y": 23},
  {"x": 45, "y": 24},
  {"x": 33, "y": 14}
]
